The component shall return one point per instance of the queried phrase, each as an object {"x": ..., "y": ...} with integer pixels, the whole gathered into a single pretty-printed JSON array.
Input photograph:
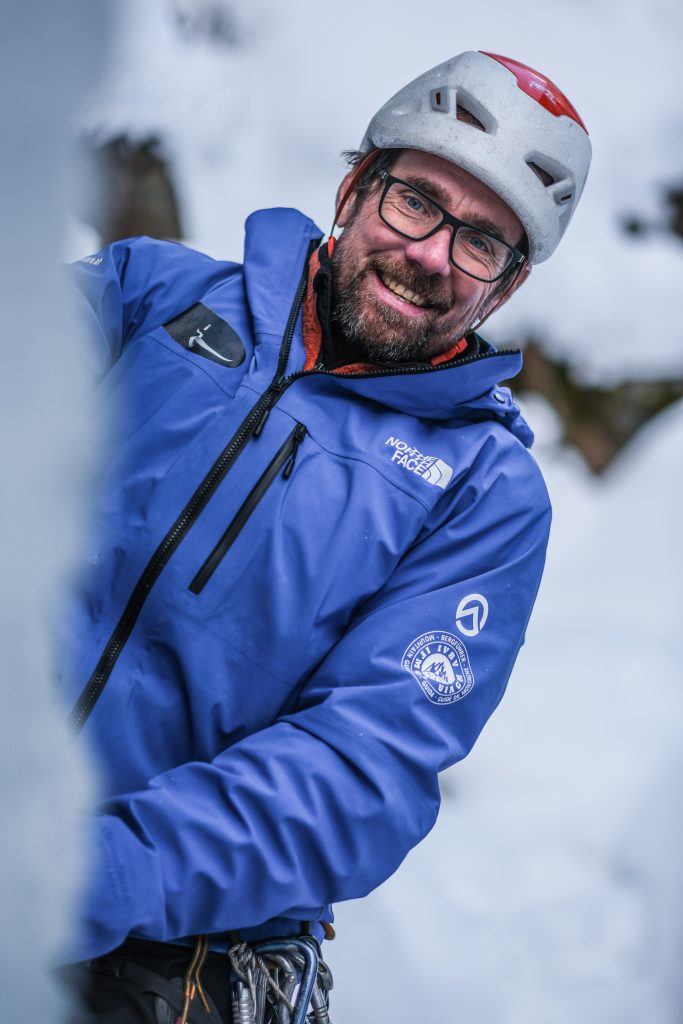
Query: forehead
[{"x": 456, "y": 189}]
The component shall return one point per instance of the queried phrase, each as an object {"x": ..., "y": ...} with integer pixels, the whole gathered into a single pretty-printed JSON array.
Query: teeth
[{"x": 403, "y": 292}]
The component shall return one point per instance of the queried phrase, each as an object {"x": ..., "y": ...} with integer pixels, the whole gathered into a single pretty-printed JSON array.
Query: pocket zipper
[{"x": 286, "y": 456}]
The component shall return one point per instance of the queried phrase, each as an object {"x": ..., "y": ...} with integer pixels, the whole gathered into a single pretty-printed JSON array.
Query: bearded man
[{"x": 315, "y": 547}]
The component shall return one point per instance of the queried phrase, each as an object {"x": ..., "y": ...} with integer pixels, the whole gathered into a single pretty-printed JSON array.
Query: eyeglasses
[{"x": 412, "y": 214}]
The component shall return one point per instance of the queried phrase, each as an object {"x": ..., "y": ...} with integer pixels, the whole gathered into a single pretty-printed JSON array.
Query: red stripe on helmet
[{"x": 539, "y": 88}]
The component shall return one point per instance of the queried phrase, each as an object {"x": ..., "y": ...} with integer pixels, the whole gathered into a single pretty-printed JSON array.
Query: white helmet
[{"x": 507, "y": 125}]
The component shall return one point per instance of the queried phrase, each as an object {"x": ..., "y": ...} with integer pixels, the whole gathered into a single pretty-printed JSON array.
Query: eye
[
  {"x": 414, "y": 203},
  {"x": 479, "y": 244}
]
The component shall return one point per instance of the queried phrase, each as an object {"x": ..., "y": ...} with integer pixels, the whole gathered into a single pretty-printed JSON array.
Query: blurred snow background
[{"x": 551, "y": 889}]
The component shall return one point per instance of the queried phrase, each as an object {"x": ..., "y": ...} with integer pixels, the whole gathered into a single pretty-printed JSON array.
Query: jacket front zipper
[
  {"x": 285, "y": 457},
  {"x": 252, "y": 423}
]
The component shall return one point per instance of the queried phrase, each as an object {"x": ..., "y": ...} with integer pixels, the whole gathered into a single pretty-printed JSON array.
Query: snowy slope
[{"x": 550, "y": 889}]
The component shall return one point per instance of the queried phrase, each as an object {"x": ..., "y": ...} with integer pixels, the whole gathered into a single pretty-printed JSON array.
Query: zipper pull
[
  {"x": 261, "y": 422},
  {"x": 299, "y": 434},
  {"x": 271, "y": 395}
]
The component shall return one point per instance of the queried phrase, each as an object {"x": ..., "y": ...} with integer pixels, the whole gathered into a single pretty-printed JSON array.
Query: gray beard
[
  {"x": 393, "y": 340},
  {"x": 349, "y": 318}
]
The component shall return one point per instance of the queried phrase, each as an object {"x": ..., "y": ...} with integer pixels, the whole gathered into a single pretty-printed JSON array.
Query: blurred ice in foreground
[{"x": 48, "y": 59}]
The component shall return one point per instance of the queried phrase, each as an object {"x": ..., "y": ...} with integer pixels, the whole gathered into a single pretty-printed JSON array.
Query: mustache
[{"x": 430, "y": 287}]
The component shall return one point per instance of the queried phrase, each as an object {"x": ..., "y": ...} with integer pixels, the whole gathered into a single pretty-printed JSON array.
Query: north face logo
[{"x": 429, "y": 467}]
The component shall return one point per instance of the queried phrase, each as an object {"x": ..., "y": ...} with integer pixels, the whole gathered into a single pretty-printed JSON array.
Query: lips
[
  {"x": 418, "y": 292},
  {"x": 407, "y": 294}
]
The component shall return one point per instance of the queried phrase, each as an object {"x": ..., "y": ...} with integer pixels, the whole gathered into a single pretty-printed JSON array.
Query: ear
[
  {"x": 496, "y": 301},
  {"x": 344, "y": 215}
]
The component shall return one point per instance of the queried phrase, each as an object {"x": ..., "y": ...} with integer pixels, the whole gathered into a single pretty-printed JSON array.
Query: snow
[{"x": 551, "y": 888}]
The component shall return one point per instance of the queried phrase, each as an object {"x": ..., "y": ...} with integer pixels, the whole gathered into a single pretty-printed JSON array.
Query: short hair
[{"x": 369, "y": 179}]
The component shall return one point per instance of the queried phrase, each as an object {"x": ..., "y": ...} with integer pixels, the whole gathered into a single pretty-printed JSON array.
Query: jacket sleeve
[
  {"x": 324, "y": 804},
  {"x": 133, "y": 286}
]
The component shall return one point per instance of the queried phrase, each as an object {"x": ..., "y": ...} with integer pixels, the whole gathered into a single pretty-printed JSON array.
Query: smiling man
[
  {"x": 315, "y": 548},
  {"x": 398, "y": 298}
]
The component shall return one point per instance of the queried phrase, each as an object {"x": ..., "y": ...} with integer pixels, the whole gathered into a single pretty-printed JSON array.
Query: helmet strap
[
  {"x": 523, "y": 272},
  {"x": 357, "y": 175}
]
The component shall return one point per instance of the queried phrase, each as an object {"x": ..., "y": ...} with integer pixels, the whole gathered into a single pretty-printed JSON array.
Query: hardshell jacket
[{"x": 304, "y": 594}]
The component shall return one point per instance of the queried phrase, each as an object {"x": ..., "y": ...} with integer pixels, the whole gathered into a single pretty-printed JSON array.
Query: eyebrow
[{"x": 438, "y": 193}]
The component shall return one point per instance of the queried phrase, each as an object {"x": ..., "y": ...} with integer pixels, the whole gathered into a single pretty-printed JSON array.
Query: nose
[{"x": 432, "y": 254}]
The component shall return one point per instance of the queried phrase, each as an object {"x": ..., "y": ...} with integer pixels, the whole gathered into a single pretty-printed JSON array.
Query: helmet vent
[
  {"x": 440, "y": 100},
  {"x": 540, "y": 172},
  {"x": 465, "y": 115}
]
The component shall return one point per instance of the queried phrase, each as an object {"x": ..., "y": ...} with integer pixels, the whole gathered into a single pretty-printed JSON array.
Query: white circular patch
[
  {"x": 439, "y": 663},
  {"x": 471, "y": 614}
]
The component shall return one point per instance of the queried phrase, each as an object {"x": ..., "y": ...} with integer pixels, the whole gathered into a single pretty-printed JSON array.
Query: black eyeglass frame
[{"x": 517, "y": 258}]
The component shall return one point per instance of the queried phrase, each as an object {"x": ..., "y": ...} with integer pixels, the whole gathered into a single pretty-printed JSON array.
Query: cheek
[
  {"x": 469, "y": 292},
  {"x": 368, "y": 234}
]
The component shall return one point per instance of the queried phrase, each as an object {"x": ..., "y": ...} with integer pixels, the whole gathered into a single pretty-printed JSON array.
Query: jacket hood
[{"x": 276, "y": 246}]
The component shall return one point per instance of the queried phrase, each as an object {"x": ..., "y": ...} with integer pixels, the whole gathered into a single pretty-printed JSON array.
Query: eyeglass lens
[{"x": 473, "y": 251}]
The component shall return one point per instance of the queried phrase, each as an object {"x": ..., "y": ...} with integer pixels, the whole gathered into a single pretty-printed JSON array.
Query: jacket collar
[{"x": 467, "y": 390}]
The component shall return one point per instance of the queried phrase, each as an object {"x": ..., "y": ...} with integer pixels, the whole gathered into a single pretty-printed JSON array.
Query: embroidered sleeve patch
[{"x": 440, "y": 665}]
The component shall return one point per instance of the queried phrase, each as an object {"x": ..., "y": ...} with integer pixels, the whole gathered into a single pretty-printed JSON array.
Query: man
[{"x": 318, "y": 539}]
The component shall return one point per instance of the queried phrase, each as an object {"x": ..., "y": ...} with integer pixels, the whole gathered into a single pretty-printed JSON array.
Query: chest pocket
[
  {"x": 283, "y": 461},
  {"x": 314, "y": 536}
]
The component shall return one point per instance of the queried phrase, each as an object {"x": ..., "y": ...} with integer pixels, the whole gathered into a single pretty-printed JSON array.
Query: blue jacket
[{"x": 304, "y": 594}]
